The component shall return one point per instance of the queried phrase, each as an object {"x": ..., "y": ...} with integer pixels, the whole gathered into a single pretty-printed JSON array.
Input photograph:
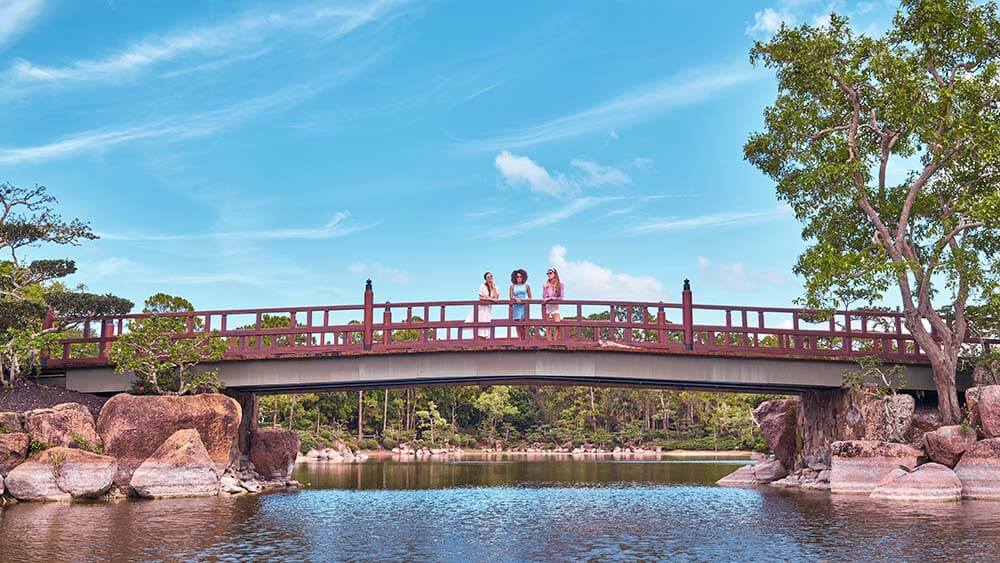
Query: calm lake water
[{"x": 505, "y": 508}]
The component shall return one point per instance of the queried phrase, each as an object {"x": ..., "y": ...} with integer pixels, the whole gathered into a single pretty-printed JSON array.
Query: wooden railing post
[
  {"x": 107, "y": 332},
  {"x": 369, "y": 316},
  {"x": 386, "y": 321},
  {"x": 688, "y": 316},
  {"x": 661, "y": 323}
]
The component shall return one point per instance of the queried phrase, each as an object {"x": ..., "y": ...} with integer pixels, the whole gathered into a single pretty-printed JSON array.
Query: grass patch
[
  {"x": 37, "y": 446},
  {"x": 84, "y": 444}
]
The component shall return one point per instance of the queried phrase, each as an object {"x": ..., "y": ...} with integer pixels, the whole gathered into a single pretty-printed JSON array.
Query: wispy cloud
[
  {"x": 337, "y": 227},
  {"x": 378, "y": 271},
  {"x": 204, "y": 47},
  {"x": 618, "y": 113},
  {"x": 588, "y": 280},
  {"x": 710, "y": 220},
  {"x": 572, "y": 208},
  {"x": 737, "y": 277},
  {"x": 174, "y": 128},
  {"x": 768, "y": 21},
  {"x": 522, "y": 171},
  {"x": 16, "y": 16}
]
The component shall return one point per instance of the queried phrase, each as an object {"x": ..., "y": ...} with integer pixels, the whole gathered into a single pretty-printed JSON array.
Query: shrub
[
  {"x": 37, "y": 446},
  {"x": 368, "y": 444},
  {"x": 84, "y": 444},
  {"x": 388, "y": 443}
]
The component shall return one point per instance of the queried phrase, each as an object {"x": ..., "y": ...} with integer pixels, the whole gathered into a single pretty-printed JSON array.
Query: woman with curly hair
[{"x": 519, "y": 292}]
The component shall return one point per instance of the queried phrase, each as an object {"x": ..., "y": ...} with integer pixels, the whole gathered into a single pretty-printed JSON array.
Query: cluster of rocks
[
  {"x": 337, "y": 453},
  {"x": 153, "y": 447},
  {"x": 926, "y": 462},
  {"x": 423, "y": 451},
  {"x": 583, "y": 449}
]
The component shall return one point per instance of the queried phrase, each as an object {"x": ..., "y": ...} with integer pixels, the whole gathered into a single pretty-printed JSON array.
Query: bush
[
  {"x": 388, "y": 443},
  {"x": 84, "y": 444},
  {"x": 368, "y": 444},
  {"x": 37, "y": 446}
]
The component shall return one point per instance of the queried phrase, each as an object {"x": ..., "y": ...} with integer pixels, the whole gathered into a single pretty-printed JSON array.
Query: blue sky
[{"x": 277, "y": 154}]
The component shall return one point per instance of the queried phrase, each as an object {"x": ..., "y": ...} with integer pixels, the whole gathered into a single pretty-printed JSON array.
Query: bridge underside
[{"x": 744, "y": 374}]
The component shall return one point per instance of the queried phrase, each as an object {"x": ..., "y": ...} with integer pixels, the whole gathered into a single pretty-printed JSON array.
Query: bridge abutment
[{"x": 250, "y": 407}]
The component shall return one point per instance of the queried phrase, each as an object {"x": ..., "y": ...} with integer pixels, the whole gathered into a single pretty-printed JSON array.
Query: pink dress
[{"x": 549, "y": 292}]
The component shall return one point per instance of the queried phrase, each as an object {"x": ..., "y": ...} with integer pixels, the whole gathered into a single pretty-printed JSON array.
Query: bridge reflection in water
[{"x": 438, "y": 342}]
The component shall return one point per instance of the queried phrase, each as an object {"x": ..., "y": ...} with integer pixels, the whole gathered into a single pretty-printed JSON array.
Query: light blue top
[{"x": 520, "y": 292}]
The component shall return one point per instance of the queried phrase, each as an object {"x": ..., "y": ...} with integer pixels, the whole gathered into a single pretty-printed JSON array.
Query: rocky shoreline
[
  {"x": 930, "y": 463},
  {"x": 139, "y": 447}
]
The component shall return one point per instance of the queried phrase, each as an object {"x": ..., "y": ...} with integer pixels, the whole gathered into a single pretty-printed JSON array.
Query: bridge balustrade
[{"x": 426, "y": 326}]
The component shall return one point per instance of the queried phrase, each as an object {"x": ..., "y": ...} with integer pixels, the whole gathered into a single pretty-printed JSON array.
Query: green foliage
[
  {"x": 84, "y": 444},
  {"x": 368, "y": 444},
  {"x": 37, "y": 446},
  {"x": 429, "y": 418},
  {"x": 29, "y": 289},
  {"x": 495, "y": 403},
  {"x": 850, "y": 108},
  {"x": 162, "y": 350},
  {"x": 4, "y": 430}
]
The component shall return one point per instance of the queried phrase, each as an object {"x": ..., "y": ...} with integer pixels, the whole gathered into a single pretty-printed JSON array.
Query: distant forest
[{"x": 515, "y": 416}]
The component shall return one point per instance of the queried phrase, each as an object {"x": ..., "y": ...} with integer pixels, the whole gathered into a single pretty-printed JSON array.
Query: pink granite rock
[
  {"x": 931, "y": 482},
  {"x": 859, "y": 465}
]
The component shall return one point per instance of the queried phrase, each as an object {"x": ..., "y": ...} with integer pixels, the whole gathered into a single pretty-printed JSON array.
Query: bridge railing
[{"x": 388, "y": 327}]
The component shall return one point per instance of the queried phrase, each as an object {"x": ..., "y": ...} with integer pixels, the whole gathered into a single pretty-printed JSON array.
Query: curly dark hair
[{"x": 513, "y": 275}]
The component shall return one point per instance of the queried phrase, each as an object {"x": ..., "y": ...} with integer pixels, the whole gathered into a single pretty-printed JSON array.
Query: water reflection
[{"x": 507, "y": 509}]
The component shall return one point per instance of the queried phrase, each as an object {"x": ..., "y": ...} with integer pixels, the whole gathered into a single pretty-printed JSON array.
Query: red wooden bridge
[{"x": 764, "y": 339}]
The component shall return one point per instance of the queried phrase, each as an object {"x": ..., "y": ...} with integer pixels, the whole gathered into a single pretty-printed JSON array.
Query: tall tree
[
  {"x": 849, "y": 110},
  {"x": 30, "y": 290}
]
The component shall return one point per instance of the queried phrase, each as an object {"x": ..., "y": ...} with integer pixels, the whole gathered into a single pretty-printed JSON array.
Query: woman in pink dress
[{"x": 552, "y": 293}]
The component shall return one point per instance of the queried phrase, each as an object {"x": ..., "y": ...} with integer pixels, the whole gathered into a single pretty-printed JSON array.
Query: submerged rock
[
  {"x": 180, "y": 467},
  {"x": 931, "y": 482},
  {"x": 273, "y": 452},
  {"x": 979, "y": 470},
  {"x": 13, "y": 450},
  {"x": 947, "y": 444},
  {"x": 755, "y": 474},
  {"x": 134, "y": 427},
  {"x": 68, "y": 424},
  {"x": 859, "y": 465}
]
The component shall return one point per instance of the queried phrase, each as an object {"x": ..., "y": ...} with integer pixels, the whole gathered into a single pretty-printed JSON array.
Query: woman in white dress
[{"x": 488, "y": 295}]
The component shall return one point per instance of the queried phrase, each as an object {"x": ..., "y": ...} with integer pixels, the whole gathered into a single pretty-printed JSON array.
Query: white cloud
[
  {"x": 217, "y": 43},
  {"x": 521, "y": 171},
  {"x": 768, "y": 21},
  {"x": 735, "y": 276},
  {"x": 173, "y": 128},
  {"x": 378, "y": 271},
  {"x": 613, "y": 135},
  {"x": 574, "y": 207},
  {"x": 658, "y": 225},
  {"x": 15, "y": 16},
  {"x": 641, "y": 162},
  {"x": 586, "y": 280},
  {"x": 595, "y": 174},
  {"x": 632, "y": 107},
  {"x": 335, "y": 228}
]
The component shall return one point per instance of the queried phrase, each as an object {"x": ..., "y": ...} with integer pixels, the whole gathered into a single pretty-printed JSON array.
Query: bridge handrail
[{"x": 632, "y": 325}]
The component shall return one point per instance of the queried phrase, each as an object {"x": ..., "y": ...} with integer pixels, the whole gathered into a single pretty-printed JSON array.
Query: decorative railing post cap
[
  {"x": 368, "y": 285},
  {"x": 687, "y": 285}
]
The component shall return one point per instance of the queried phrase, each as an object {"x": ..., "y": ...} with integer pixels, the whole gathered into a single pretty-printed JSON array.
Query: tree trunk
[
  {"x": 361, "y": 412},
  {"x": 385, "y": 411},
  {"x": 944, "y": 381}
]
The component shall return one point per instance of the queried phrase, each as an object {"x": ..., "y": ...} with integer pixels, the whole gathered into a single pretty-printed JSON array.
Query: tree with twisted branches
[
  {"x": 851, "y": 110},
  {"x": 30, "y": 290}
]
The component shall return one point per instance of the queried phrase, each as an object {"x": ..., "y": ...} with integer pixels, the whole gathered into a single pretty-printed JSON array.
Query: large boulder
[
  {"x": 947, "y": 444},
  {"x": 859, "y": 465},
  {"x": 67, "y": 425},
  {"x": 930, "y": 482},
  {"x": 979, "y": 470},
  {"x": 273, "y": 452},
  {"x": 61, "y": 474},
  {"x": 133, "y": 427},
  {"x": 180, "y": 467},
  {"x": 888, "y": 419},
  {"x": 972, "y": 405},
  {"x": 988, "y": 409},
  {"x": 13, "y": 450},
  {"x": 10, "y": 422},
  {"x": 761, "y": 473},
  {"x": 777, "y": 423},
  {"x": 925, "y": 419}
]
